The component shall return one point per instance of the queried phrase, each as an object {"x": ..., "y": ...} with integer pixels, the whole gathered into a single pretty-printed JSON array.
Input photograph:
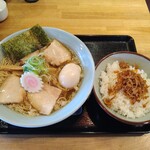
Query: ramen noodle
[{"x": 48, "y": 71}]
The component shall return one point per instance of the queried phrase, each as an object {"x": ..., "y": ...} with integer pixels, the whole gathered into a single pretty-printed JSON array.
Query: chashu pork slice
[
  {"x": 56, "y": 53},
  {"x": 44, "y": 100},
  {"x": 24, "y": 59},
  {"x": 11, "y": 90}
]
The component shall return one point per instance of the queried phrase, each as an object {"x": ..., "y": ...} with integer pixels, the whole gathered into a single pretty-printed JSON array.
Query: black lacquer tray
[{"x": 90, "y": 119}]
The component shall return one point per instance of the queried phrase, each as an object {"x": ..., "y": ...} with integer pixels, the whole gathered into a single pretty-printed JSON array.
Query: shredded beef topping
[
  {"x": 123, "y": 65},
  {"x": 131, "y": 83}
]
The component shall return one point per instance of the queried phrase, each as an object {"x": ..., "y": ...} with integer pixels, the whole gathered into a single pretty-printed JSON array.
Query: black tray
[{"x": 90, "y": 119}]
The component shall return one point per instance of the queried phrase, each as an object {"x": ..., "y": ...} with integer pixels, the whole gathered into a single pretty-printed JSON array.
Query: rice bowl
[{"x": 120, "y": 107}]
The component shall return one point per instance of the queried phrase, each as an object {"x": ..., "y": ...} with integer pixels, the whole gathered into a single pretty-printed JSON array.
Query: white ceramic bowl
[
  {"x": 87, "y": 63},
  {"x": 132, "y": 58}
]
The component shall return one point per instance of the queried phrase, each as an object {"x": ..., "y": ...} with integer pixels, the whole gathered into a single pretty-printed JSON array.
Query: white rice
[{"x": 121, "y": 103}]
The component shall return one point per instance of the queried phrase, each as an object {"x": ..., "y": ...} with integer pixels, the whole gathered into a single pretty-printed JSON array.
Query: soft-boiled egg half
[{"x": 69, "y": 76}]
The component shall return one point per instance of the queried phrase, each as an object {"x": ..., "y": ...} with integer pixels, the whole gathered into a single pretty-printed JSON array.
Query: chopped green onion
[{"x": 36, "y": 64}]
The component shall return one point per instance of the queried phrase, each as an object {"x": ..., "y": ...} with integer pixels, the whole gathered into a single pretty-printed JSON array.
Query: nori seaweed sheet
[{"x": 25, "y": 43}]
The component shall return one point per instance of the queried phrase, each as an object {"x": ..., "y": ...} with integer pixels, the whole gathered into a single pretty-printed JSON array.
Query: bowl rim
[
  {"x": 121, "y": 52},
  {"x": 84, "y": 98},
  {"x": 139, "y": 123}
]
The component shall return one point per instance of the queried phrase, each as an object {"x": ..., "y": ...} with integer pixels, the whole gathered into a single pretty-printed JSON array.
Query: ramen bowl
[
  {"x": 132, "y": 58},
  {"x": 85, "y": 57}
]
